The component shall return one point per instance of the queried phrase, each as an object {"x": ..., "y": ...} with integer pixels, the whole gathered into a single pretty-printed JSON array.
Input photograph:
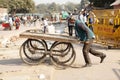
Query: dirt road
[{"x": 12, "y": 67}]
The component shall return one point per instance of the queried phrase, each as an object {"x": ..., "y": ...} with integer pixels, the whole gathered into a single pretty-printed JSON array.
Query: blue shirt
[{"x": 83, "y": 32}]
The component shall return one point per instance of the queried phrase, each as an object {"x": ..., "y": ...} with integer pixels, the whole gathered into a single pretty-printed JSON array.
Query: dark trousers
[
  {"x": 91, "y": 27},
  {"x": 88, "y": 49},
  {"x": 70, "y": 30},
  {"x": 44, "y": 29}
]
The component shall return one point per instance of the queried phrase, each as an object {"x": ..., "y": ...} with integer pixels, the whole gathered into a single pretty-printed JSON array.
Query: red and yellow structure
[{"x": 106, "y": 27}]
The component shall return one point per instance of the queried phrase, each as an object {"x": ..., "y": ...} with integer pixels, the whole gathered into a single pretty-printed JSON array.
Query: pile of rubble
[{"x": 8, "y": 42}]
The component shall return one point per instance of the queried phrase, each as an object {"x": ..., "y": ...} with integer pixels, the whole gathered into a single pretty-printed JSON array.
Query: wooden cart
[{"x": 40, "y": 45}]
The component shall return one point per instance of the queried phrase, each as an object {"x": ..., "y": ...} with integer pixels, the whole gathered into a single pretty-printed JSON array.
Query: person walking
[
  {"x": 71, "y": 24},
  {"x": 87, "y": 36},
  {"x": 17, "y": 22},
  {"x": 45, "y": 24}
]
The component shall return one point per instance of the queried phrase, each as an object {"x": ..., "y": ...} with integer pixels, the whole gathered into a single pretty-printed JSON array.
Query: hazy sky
[{"x": 56, "y": 1}]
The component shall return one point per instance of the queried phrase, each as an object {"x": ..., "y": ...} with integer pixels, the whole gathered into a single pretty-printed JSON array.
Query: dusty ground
[{"x": 13, "y": 68}]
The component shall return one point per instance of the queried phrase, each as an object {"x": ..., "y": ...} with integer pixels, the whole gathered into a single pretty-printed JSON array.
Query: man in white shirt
[{"x": 45, "y": 24}]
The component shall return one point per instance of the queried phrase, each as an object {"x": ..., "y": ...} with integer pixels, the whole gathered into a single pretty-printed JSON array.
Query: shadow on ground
[
  {"x": 117, "y": 73},
  {"x": 11, "y": 62}
]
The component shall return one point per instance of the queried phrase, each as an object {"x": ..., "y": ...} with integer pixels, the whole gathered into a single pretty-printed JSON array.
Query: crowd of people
[{"x": 13, "y": 22}]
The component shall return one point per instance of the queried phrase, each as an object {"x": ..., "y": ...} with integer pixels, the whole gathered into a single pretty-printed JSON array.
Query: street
[{"x": 12, "y": 67}]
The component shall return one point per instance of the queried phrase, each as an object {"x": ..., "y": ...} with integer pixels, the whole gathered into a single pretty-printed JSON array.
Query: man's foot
[
  {"x": 87, "y": 65},
  {"x": 102, "y": 58}
]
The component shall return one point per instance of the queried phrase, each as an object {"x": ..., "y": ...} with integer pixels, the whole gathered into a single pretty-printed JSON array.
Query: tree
[
  {"x": 21, "y": 6},
  {"x": 3, "y": 3},
  {"x": 70, "y": 6},
  {"x": 52, "y": 7},
  {"x": 42, "y": 8},
  {"x": 18, "y": 6},
  {"x": 102, "y": 3}
]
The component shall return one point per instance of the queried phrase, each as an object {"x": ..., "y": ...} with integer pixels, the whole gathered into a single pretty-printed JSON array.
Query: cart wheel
[
  {"x": 62, "y": 54},
  {"x": 33, "y": 51}
]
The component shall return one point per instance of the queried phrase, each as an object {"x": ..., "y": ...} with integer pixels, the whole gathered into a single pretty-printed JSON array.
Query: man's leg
[
  {"x": 98, "y": 54},
  {"x": 44, "y": 29},
  {"x": 85, "y": 50},
  {"x": 72, "y": 30},
  {"x": 69, "y": 30}
]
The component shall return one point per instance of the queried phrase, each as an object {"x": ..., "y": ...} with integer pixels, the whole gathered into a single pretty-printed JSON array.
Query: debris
[{"x": 42, "y": 77}]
